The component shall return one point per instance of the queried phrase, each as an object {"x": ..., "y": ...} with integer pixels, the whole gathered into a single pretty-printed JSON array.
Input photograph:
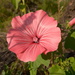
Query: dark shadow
[
  {"x": 30, "y": 19},
  {"x": 46, "y": 56},
  {"x": 70, "y": 41}
]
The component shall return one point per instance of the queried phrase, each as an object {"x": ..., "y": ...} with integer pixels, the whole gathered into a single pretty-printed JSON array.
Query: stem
[
  {"x": 53, "y": 57},
  {"x": 25, "y": 6},
  {"x": 32, "y": 70},
  {"x": 60, "y": 49}
]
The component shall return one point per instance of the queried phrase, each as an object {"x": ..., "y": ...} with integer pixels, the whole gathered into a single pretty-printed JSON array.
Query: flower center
[{"x": 35, "y": 39}]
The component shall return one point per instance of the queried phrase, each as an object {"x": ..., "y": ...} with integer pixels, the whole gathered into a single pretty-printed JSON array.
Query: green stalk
[
  {"x": 25, "y": 6},
  {"x": 33, "y": 71}
]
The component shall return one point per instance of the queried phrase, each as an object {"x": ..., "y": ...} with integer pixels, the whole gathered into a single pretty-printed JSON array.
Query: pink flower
[
  {"x": 72, "y": 22},
  {"x": 33, "y": 34}
]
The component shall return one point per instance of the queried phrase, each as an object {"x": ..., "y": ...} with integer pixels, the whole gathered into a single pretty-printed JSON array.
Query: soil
[
  {"x": 7, "y": 57},
  {"x": 69, "y": 13}
]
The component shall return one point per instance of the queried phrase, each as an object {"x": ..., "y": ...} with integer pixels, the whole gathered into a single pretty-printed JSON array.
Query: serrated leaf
[
  {"x": 15, "y": 3},
  {"x": 56, "y": 70}
]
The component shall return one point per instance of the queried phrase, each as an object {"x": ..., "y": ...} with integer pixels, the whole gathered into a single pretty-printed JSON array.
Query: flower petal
[
  {"x": 18, "y": 41},
  {"x": 17, "y": 22},
  {"x": 32, "y": 20},
  {"x": 31, "y": 53},
  {"x": 51, "y": 39},
  {"x": 45, "y": 27},
  {"x": 48, "y": 21},
  {"x": 35, "y": 17},
  {"x": 72, "y": 22}
]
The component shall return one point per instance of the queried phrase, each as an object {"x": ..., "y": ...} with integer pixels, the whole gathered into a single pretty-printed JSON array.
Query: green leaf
[
  {"x": 73, "y": 35},
  {"x": 71, "y": 59},
  {"x": 56, "y": 70},
  {"x": 73, "y": 66},
  {"x": 15, "y": 3},
  {"x": 33, "y": 71},
  {"x": 3, "y": 72},
  {"x": 72, "y": 62},
  {"x": 42, "y": 59}
]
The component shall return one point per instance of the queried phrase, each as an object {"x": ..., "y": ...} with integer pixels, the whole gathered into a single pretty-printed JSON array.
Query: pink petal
[
  {"x": 45, "y": 27},
  {"x": 31, "y": 53},
  {"x": 18, "y": 41},
  {"x": 40, "y": 14},
  {"x": 17, "y": 22},
  {"x": 48, "y": 21},
  {"x": 72, "y": 22},
  {"x": 32, "y": 20},
  {"x": 51, "y": 39},
  {"x": 29, "y": 23}
]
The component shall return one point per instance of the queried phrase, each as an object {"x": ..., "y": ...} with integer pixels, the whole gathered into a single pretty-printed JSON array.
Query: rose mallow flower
[
  {"x": 72, "y": 22},
  {"x": 33, "y": 34}
]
